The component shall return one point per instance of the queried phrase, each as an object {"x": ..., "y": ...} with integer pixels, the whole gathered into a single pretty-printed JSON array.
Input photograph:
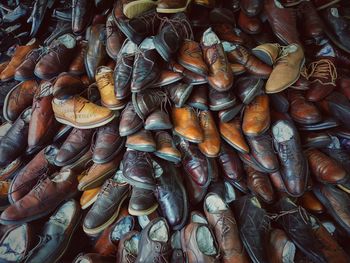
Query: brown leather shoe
[
  {"x": 98, "y": 173},
  {"x": 260, "y": 185},
  {"x": 17, "y": 58},
  {"x": 251, "y": 7},
  {"x": 77, "y": 65},
  {"x": 226, "y": 32},
  {"x": 57, "y": 59},
  {"x": 256, "y": 119},
  {"x": 93, "y": 258},
  {"x": 67, "y": 84},
  {"x": 114, "y": 38},
  {"x": 226, "y": 231},
  {"x": 141, "y": 141},
  {"x": 108, "y": 143},
  {"x": 324, "y": 168},
  {"x": 190, "y": 56},
  {"x": 130, "y": 122},
  {"x": 232, "y": 134},
  {"x": 129, "y": 240},
  {"x": 81, "y": 113},
  {"x": 18, "y": 99},
  {"x": 281, "y": 247},
  {"x": 250, "y": 25},
  {"x": 239, "y": 54},
  {"x": 230, "y": 113},
  {"x": 25, "y": 71},
  {"x": 179, "y": 93},
  {"x": 158, "y": 120},
  {"x": 89, "y": 197},
  {"x": 42, "y": 199},
  {"x": 310, "y": 202},
  {"x": 211, "y": 144},
  {"x": 194, "y": 79},
  {"x": 220, "y": 77},
  {"x": 248, "y": 87},
  {"x": 186, "y": 124},
  {"x": 302, "y": 111},
  {"x": 199, "y": 98},
  {"x": 142, "y": 202},
  {"x": 166, "y": 148},
  {"x": 221, "y": 100},
  {"x": 267, "y": 52},
  {"x": 167, "y": 77},
  {"x": 74, "y": 147}
]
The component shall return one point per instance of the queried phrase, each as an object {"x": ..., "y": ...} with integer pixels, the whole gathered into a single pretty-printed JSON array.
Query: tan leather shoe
[
  {"x": 171, "y": 6},
  {"x": 166, "y": 148},
  {"x": 256, "y": 118},
  {"x": 17, "y": 58},
  {"x": 81, "y": 113},
  {"x": 232, "y": 134},
  {"x": 186, "y": 124},
  {"x": 105, "y": 84},
  {"x": 89, "y": 197},
  {"x": 3, "y": 65},
  {"x": 141, "y": 141},
  {"x": 287, "y": 69},
  {"x": 211, "y": 144},
  {"x": 267, "y": 52}
]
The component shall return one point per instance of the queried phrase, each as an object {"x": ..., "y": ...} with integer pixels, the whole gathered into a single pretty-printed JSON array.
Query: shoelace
[
  {"x": 283, "y": 53},
  {"x": 54, "y": 48},
  {"x": 302, "y": 212},
  {"x": 178, "y": 24},
  {"x": 150, "y": 20},
  {"x": 105, "y": 80},
  {"x": 286, "y": 152},
  {"x": 323, "y": 69}
]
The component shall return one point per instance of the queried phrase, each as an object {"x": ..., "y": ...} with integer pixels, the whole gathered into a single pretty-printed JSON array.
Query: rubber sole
[
  {"x": 168, "y": 157},
  {"x": 223, "y": 106},
  {"x": 173, "y": 10},
  {"x": 141, "y": 148},
  {"x": 96, "y": 182},
  {"x": 143, "y": 212},
  {"x": 192, "y": 68},
  {"x": 83, "y": 126},
  {"x": 111, "y": 157},
  {"x": 74, "y": 159},
  {"x": 135, "y": 8},
  {"x": 132, "y": 131},
  {"x": 90, "y": 202}
]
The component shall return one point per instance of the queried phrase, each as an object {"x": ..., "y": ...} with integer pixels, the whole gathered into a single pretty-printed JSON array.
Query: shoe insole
[
  {"x": 27, "y": 115},
  {"x": 64, "y": 213},
  {"x": 282, "y": 132},
  {"x": 147, "y": 44},
  {"x": 228, "y": 46},
  {"x": 61, "y": 176},
  {"x": 124, "y": 226},
  {"x": 205, "y": 241},
  {"x": 129, "y": 48},
  {"x": 198, "y": 218},
  {"x": 132, "y": 244},
  {"x": 143, "y": 221},
  {"x": 67, "y": 40},
  {"x": 210, "y": 38},
  {"x": 50, "y": 153},
  {"x": 214, "y": 204},
  {"x": 12, "y": 247},
  {"x": 158, "y": 170},
  {"x": 288, "y": 253},
  {"x": 159, "y": 232},
  {"x": 230, "y": 194}
]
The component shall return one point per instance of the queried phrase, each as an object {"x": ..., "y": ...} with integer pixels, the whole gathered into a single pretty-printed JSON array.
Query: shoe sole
[
  {"x": 231, "y": 113},
  {"x": 335, "y": 41},
  {"x": 223, "y": 106},
  {"x": 62, "y": 133},
  {"x": 97, "y": 181},
  {"x": 199, "y": 106},
  {"x": 328, "y": 4},
  {"x": 136, "y": 8},
  {"x": 89, "y": 203},
  {"x": 6, "y": 102},
  {"x": 158, "y": 84},
  {"x": 20, "y": 78},
  {"x": 168, "y": 157},
  {"x": 233, "y": 145},
  {"x": 143, "y": 212},
  {"x": 186, "y": 138},
  {"x": 44, "y": 77},
  {"x": 251, "y": 94},
  {"x": 305, "y": 122},
  {"x": 132, "y": 131},
  {"x": 141, "y": 148},
  {"x": 173, "y": 10},
  {"x": 186, "y": 95},
  {"x": 74, "y": 159},
  {"x": 113, "y": 107},
  {"x": 148, "y": 85},
  {"x": 139, "y": 184},
  {"x": 154, "y": 127},
  {"x": 96, "y": 230},
  {"x": 87, "y": 126},
  {"x": 192, "y": 68},
  {"x": 111, "y": 157},
  {"x": 317, "y": 143},
  {"x": 345, "y": 189}
]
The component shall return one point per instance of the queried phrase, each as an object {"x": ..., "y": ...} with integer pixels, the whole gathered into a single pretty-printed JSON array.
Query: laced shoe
[
  {"x": 166, "y": 147},
  {"x": 212, "y": 141},
  {"x": 287, "y": 69}
]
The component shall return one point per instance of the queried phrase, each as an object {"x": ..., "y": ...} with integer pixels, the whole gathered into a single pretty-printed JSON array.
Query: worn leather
[
  {"x": 256, "y": 119},
  {"x": 221, "y": 100},
  {"x": 130, "y": 122},
  {"x": 247, "y": 88},
  {"x": 232, "y": 134},
  {"x": 25, "y": 71},
  {"x": 250, "y": 25},
  {"x": 260, "y": 185},
  {"x": 179, "y": 92},
  {"x": 251, "y": 7},
  {"x": 211, "y": 143},
  {"x": 190, "y": 56},
  {"x": 77, "y": 64},
  {"x": 67, "y": 84},
  {"x": 123, "y": 75}
]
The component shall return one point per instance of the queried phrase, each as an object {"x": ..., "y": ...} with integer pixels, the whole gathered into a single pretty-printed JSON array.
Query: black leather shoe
[
  {"x": 248, "y": 87},
  {"x": 38, "y": 14},
  {"x": 327, "y": 123},
  {"x": 279, "y": 102},
  {"x": 339, "y": 106}
]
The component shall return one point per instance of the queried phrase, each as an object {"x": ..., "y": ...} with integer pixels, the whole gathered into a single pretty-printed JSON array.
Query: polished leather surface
[
  {"x": 81, "y": 15},
  {"x": 260, "y": 185},
  {"x": 247, "y": 88},
  {"x": 130, "y": 122},
  {"x": 221, "y": 100},
  {"x": 67, "y": 84},
  {"x": 250, "y": 25}
]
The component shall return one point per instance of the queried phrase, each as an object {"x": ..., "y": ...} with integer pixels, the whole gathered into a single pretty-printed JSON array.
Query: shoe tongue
[
  {"x": 147, "y": 44},
  {"x": 67, "y": 40},
  {"x": 335, "y": 12},
  {"x": 210, "y": 38}
]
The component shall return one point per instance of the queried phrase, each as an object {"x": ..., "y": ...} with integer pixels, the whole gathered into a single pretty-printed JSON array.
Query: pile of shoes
[{"x": 175, "y": 131}]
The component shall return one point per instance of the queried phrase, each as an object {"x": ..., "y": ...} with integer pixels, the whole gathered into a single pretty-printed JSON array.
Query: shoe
[
  {"x": 81, "y": 113},
  {"x": 38, "y": 14},
  {"x": 325, "y": 124},
  {"x": 256, "y": 119},
  {"x": 322, "y": 4},
  {"x": 179, "y": 93},
  {"x": 89, "y": 197},
  {"x": 251, "y": 7},
  {"x": 25, "y": 70},
  {"x": 141, "y": 141},
  {"x": 313, "y": 26},
  {"x": 158, "y": 120},
  {"x": 130, "y": 122},
  {"x": 135, "y": 8},
  {"x": 281, "y": 247},
  {"x": 267, "y": 52},
  {"x": 248, "y": 87},
  {"x": 148, "y": 101},
  {"x": 82, "y": 12},
  {"x": 129, "y": 240},
  {"x": 228, "y": 33},
  {"x": 67, "y": 84},
  {"x": 287, "y": 69},
  {"x": 210, "y": 146},
  {"x": 199, "y": 98},
  {"x": 167, "y": 77},
  {"x": 142, "y": 202},
  {"x": 44, "y": 198},
  {"x": 62, "y": 225},
  {"x": 166, "y": 147},
  {"x": 221, "y": 100},
  {"x": 310, "y": 202},
  {"x": 250, "y": 25},
  {"x": 315, "y": 139},
  {"x": 231, "y": 132},
  {"x": 77, "y": 66},
  {"x": 74, "y": 147},
  {"x": 114, "y": 38},
  {"x": 230, "y": 113},
  {"x": 106, "y": 208},
  {"x": 4, "y": 191}
]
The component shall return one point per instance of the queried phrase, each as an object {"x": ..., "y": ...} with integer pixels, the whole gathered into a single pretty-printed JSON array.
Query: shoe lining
[
  {"x": 205, "y": 241},
  {"x": 159, "y": 232},
  {"x": 196, "y": 218},
  {"x": 118, "y": 177},
  {"x": 228, "y": 47},
  {"x": 282, "y": 132},
  {"x": 210, "y": 38},
  {"x": 214, "y": 204},
  {"x": 61, "y": 176},
  {"x": 12, "y": 248},
  {"x": 27, "y": 115},
  {"x": 102, "y": 70},
  {"x": 230, "y": 194},
  {"x": 129, "y": 48},
  {"x": 124, "y": 226},
  {"x": 67, "y": 40},
  {"x": 288, "y": 253},
  {"x": 147, "y": 44},
  {"x": 132, "y": 244},
  {"x": 158, "y": 171},
  {"x": 143, "y": 221}
]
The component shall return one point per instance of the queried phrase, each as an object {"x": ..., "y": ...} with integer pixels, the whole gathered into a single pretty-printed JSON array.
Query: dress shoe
[
  {"x": 220, "y": 75},
  {"x": 205, "y": 3},
  {"x": 230, "y": 113},
  {"x": 42, "y": 199},
  {"x": 138, "y": 169},
  {"x": 135, "y": 8},
  {"x": 31, "y": 173},
  {"x": 248, "y": 87},
  {"x": 324, "y": 168},
  {"x": 293, "y": 164},
  {"x": 108, "y": 143},
  {"x": 322, "y": 77},
  {"x": 81, "y": 15},
  {"x": 77, "y": 66},
  {"x": 123, "y": 70},
  {"x": 81, "y": 113},
  {"x": 338, "y": 105},
  {"x": 250, "y": 25},
  {"x": 142, "y": 202},
  {"x": 98, "y": 173},
  {"x": 287, "y": 69},
  {"x": 253, "y": 232},
  {"x": 227, "y": 32},
  {"x": 190, "y": 56},
  {"x": 14, "y": 142},
  {"x": 327, "y": 123},
  {"x": 195, "y": 251},
  {"x": 221, "y": 100},
  {"x": 4, "y": 190},
  {"x": 146, "y": 69},
  {"x": 38, "y": 14},
  {"x": 239, "y": 54},
  {"x": 338, "y": 152},
  {"x": 141, "y": 141},
  {"x": 336, "y": 202},
  {"x": 267, "y": 52},
  {"x": 343, "y": 86},
  {"x": 179, "y": 93},
  {"x": 305, "y": 239},
  {"x": 158, "y": 120},
  {"x": 194, "y": 79},
  {"x": 199, "y": 98},
  {"x": 172, "y": 32},
  {"x": 166, "y": 148},
  {"x": 186, "y": 124},
  {"x": 310, "y": 202},
  {"x": 166, "y": 6},
  {"x": 251, "y": 7},
  {"x": 211, "y": 143},
  {"x": 256, "y": 119},
  {"x": 281, "y": 247},
  {"x": 89, "y": 197},
  {"x": 106, "y": 208},
  {"x": 128, "y": 247},
  {"x": 74, "y": 147},
  {"x": 25, "y": 70},
  {"x": 67, "y": 84},
  {"x": 313, "y": 26},
  {"x": 167, "y": 77},
  {"x": 315, "y": 139},
  {"x": 302, "y": 111},
  {"x": 57, "y": 233},
  {"x": 226, "y": 230},
  {"x": 57, "y": 59},
  {"x": 130, "y": 122},
  {"x": 231, "y": 132},
  {"x": 18, "y": 99},
  {"x": 18, "y": 57},
  {"x": 155, "y": 242},
  {"x": 287, "y": 31},
  {"x": 114, "y": 38}
]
